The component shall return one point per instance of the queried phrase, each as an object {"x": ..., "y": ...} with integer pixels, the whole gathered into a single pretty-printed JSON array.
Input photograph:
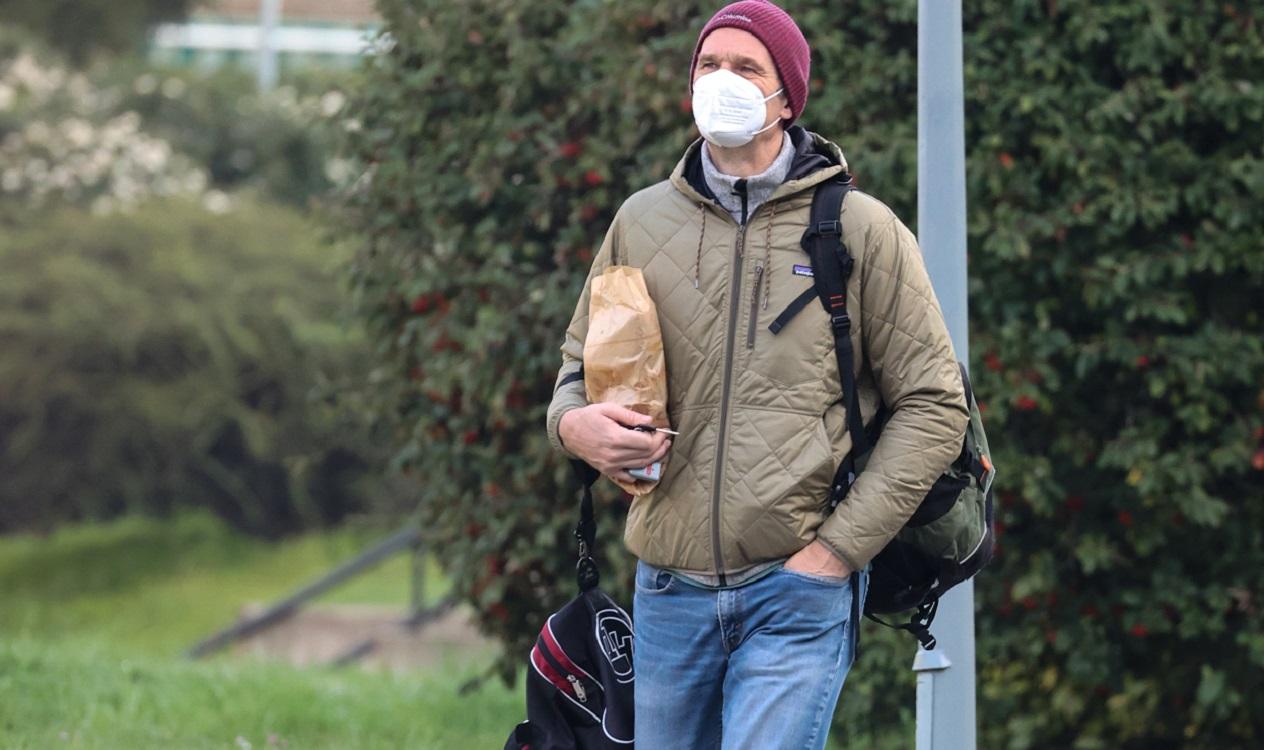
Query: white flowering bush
[
  {"x": 62, "y": 142},
  {"x": 110, "y": 139}
]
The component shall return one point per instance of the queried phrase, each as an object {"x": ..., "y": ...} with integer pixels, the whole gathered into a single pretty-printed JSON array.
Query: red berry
[
  {"x": 470, "y": 437},
  {"x": 1187, "y": 240},
  {"x": 1139, "y": 630},
  {"x": 1006, "y": 160},
  {"x": 686, "y": 104},
  {"x": 593, "y": 178},
  {"x": 570, "y": 149},
  {"x": 1257, "y": 461},
  {"x": 1025, "y": 403},
  {"x": 992, "y": 362},
  {"x": 1143, "y": 362},
  {"x": 1030, "y": 602},
  {"x": 421, "y": 305},
  {"x": 589, "y": 212},
  {"x": 1125, "y": 518}
]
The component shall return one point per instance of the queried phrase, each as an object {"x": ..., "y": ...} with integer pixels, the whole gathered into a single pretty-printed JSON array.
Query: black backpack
[
  {"x": 579, "y": 674},
  {"x": 950, "y": 537}
]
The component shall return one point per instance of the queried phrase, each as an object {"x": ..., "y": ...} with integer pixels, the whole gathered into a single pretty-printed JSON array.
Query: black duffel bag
[{"x": 579, "y": 673}]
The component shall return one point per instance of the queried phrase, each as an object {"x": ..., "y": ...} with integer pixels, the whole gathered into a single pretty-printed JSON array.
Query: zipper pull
[{"x": 580, "y": 692}]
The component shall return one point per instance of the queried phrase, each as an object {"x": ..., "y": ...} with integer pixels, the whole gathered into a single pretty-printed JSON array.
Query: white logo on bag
[{"x": 614, "y": 633}]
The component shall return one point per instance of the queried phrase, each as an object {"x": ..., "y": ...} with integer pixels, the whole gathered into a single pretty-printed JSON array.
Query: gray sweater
[{"x": 758, "y": 188}]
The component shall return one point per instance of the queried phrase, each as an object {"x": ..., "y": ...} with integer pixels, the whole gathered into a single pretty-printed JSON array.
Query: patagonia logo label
[{"x": 802, "y": 270}]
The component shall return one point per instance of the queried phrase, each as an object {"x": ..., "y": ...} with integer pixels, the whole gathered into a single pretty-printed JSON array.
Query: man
[{"x": 744, "y": 631}]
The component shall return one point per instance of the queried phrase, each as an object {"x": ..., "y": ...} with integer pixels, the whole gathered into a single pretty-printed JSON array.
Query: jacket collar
[{"x": 815, "y": 160}]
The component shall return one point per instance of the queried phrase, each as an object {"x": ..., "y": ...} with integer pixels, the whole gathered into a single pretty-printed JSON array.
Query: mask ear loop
[{"x": 775, "y": 120}]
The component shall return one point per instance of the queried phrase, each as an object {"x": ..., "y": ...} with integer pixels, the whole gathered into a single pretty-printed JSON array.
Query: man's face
[{"x": 742, "y": 53}]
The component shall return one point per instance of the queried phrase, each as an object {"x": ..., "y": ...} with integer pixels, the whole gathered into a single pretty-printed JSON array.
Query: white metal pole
[
  {"x": 945, "y": 676},
  {"x": 269, "y": 18}
]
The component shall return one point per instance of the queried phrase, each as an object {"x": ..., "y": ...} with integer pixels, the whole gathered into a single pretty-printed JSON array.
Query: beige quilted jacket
[{"x": 761, "y": 419}]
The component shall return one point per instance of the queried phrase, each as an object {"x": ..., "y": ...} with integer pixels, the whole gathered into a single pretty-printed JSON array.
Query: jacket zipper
[{"x": 730, "y": 342}]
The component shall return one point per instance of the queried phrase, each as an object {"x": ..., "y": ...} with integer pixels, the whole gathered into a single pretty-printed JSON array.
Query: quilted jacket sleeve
[
  {"x": 572, "y": 395},
  {"x": 908, "y": 349}
]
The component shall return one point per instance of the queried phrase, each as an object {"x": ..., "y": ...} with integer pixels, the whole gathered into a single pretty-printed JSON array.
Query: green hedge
[
  {"x": 1116, "y": 178},
  {"x": 172, "y": 356}
]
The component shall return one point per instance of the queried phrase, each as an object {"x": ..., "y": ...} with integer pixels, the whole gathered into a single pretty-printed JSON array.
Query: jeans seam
[{"x": 825, "y": 694}]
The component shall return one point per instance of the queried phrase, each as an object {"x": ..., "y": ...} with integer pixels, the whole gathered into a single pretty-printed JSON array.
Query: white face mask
[{"x": 728, "y": 109}]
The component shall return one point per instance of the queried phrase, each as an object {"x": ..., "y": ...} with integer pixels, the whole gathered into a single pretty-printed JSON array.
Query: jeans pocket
[
  {"x": 652, "y": 581},
  {"x": 832, "y": 581}
]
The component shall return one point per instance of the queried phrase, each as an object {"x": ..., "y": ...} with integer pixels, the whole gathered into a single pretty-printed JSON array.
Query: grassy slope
[
  {"x": 156, "y": 587},
  {"x": 93, "y": 620}
]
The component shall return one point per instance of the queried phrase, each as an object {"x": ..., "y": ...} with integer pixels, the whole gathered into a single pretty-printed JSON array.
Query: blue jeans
[{"x": 756, "y": 666}]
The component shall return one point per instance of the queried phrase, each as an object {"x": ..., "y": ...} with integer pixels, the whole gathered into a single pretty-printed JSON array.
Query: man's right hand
[{"x": 599, "y": 434}]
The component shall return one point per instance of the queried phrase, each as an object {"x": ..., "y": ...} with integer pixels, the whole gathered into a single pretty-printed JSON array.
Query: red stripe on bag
[
  {"x": 556, "y": 650},
  {"x": 544, "y": 668}
]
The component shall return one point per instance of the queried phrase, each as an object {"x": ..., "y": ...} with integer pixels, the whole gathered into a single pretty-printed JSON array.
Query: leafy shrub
[
  {"x": 170, "y": 356},
  {"x": 1116, "y": 179}
]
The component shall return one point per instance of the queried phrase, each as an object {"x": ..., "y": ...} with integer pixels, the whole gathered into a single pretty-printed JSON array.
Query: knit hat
[{"x": 779, "y": 34}]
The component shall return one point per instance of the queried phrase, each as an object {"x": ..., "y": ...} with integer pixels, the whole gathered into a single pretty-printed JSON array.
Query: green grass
[
  {"x": 86, "y": 697},
  {"x": 155, "y": 587},
  {"x": 93, "y": 620}
]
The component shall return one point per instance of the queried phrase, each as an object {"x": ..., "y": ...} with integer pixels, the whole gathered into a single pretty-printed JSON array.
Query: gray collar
[{"x": 758, "y": 188}]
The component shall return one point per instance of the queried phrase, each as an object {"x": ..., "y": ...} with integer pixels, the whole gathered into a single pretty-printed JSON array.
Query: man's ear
[{"x": 786, "y": 112}]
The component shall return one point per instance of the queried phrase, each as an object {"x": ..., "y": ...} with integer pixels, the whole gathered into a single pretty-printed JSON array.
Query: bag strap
[
  {"x": 919, "y": 623},
  {"x": 831, "y": 269},
  {"x": 586, "y": 574}
]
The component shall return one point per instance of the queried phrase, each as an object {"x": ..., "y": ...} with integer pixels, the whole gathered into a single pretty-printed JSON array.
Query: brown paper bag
[{"x": 623, "y": 353}]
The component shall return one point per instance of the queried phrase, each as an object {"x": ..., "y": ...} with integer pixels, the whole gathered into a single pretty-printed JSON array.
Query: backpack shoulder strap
[{"x": 831, "y": 269}]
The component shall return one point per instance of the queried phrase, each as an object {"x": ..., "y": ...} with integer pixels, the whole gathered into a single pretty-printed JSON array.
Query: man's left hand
[{"x": 818, "y": 559}]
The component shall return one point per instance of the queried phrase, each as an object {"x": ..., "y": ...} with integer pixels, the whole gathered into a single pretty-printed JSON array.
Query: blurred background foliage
[
  {"x": 87, "y": 30},
  {"x": 1116, "y": 177},
  {"x": 165, "y": 356},
  {"x": 172, "y": 318}
]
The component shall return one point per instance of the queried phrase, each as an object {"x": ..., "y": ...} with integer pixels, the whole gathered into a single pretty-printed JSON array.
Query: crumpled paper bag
[{"x": 623, "y": 352}]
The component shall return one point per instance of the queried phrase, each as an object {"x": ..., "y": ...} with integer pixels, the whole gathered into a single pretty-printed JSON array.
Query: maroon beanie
[{"x": 779, "y": 34}]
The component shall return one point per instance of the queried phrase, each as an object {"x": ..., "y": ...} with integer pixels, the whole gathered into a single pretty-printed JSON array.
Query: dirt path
[{"x": 374, "y": 637}]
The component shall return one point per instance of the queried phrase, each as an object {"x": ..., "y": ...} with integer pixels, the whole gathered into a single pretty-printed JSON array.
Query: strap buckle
[
  {"x": 841, "y": 322},
  {"x": 833, "y": 226}
]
